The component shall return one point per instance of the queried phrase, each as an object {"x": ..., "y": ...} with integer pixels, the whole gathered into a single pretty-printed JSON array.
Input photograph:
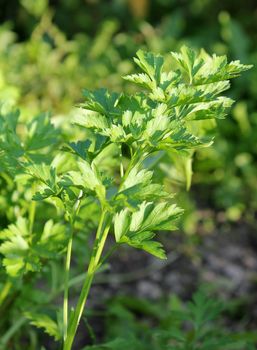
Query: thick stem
[{"x": 101, "y": 235}]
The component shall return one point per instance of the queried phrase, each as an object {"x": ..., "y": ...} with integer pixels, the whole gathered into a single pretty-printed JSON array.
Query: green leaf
[
  {"x": 209, "y": 110},
  {"x": 150, "y": 64},
  {"x": 101, "y": 101},
  {"x": 136, "y": 177},
  {"x": 48, "y": 179},
  {"x": 16, "y": 249},
  {"x": 216, "y": 68},
  {"x": 80, "y": 148},
  {"x": 23, "y": 250},
  {"x": 143, "y": 240},
  {"x": 86, "y": 178},
  {"x": 136, "y": 229},
  {"x": 155, "y": 217},
  {"x": 121, "y": 223},
  {"x": 11, "y": 147},
  {"x": 52, "y": 240},
  {"x": 141, "y": 79},
  {"x": 44, "y": 321},
  {"x": 91, "y": 120},
  {"x": 40, "y": 133},
  {"x": 184, "y": 94},
  {"x": 44, "y": 173},
  {"x": 188, "y": 60},
  {"x": 181, "y": 140},
  {"x": 116, "y": 133},
  {"x": 137, "y": 187},
  {"x": 158, "y": 126}
]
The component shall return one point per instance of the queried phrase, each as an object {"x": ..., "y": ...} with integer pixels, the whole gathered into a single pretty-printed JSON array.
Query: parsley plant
[{"x": 134, "y": 131}]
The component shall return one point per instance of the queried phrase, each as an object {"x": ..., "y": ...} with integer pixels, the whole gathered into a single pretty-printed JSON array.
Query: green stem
[
  {"x": 66, "y": 284},
  {"x": 32, "y": 211},
  {"x": 31, "y": 214},
  {"x": 121, "y": 165},
  {"x": 5, "y": 291},
  {"x": 67, "y": 268},
  {"x": 101, "y": 235}
]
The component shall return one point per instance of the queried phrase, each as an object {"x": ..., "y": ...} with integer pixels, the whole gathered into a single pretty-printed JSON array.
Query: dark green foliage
[{"x": 194, "y": 326}]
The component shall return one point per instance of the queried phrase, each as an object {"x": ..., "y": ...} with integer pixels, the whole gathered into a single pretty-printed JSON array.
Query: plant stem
[
  {"x": 67, "y": 268},
  {"x": 66, "y": 283},
  {"x": 121, "y": 165},
  {"x": 101, "y": 235},
  {"x": 32, "y": 211},
  {"x": 5, "y": 291}
]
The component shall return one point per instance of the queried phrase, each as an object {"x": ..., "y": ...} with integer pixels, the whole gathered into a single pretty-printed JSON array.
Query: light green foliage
[
  {"x": 16, "y": 248},
  {"x": 160, "y": 119},
  {"x": 23, "y": 250},
  {"x": 139, "y": 186},
  {"x": 47, "y": 71},
  {"x": 86, "y": 178},
  {"x": 203, "y": 69},
  {"x": 137, "y": 229}
]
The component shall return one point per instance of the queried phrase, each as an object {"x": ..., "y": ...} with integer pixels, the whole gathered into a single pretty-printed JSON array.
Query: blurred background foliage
[{"x": 51, "y": 50}]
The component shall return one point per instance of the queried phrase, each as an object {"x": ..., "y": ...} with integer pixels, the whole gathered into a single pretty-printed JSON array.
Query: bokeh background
[{"x": 51, "y": 50}]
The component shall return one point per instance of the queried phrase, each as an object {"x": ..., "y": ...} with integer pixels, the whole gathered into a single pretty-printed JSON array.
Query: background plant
[{"x": 203, "y": 330}]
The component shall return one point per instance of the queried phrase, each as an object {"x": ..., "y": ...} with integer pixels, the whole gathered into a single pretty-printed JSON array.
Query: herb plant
[{"x": 124, "y": 136}]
